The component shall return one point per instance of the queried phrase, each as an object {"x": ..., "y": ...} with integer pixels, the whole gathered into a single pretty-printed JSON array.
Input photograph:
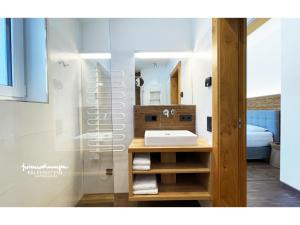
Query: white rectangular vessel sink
[{"x": 170, "y": 138}]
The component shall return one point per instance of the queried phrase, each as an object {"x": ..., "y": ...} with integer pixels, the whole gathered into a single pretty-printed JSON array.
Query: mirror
[{"x": 158, "y": 81}]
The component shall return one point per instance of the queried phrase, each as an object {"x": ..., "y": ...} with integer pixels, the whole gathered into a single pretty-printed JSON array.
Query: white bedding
[{"x": 259, "y": 139}]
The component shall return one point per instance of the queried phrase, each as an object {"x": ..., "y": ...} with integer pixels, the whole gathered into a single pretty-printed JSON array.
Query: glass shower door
[{"x": 97, "y": 126}]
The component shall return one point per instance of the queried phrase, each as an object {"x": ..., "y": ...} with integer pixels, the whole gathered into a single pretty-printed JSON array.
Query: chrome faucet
[{"x": 166, "y": 113}]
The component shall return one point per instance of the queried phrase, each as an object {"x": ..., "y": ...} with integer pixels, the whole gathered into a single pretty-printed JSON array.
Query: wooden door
[
  {"x": 229, "y": 112},
  {"x": 174, "y": 88},
  {"x": 175, "y": 85}
]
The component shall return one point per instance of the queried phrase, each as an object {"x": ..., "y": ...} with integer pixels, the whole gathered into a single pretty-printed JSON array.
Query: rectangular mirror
[{"x": 158, "y": 81}]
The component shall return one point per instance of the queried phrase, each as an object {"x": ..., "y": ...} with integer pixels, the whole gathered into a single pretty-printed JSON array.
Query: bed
[{"x": 258, "y": 143}]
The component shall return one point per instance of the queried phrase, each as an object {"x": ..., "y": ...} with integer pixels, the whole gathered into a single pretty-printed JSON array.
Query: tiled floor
[{"x": 265, "y": 189}]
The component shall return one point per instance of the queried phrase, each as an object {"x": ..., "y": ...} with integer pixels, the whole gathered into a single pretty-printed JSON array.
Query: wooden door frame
[
  {"x": 229, "y": 112},
  {"x": 255, "y": 24},
  {"x": 177, "y": 69}
]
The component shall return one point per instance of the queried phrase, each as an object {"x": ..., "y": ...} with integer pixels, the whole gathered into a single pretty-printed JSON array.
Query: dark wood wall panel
[
  {"x": 163, "y": 123},
  {"x": 270, "y": 102}
]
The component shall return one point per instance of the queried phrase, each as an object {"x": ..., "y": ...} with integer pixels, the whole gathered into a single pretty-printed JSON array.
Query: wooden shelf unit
[
  {"x": 175, "y": 192},
  {"x": 183, "y": 172},
  {"x": 168, "y": 168}
]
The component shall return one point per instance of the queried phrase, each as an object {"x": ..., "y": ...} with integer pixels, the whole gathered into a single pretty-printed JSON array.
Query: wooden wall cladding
[
  {"x": 270, "y": 102},
  {"x": 162, "y": 122},
  {"x": 229, "y": 164}
]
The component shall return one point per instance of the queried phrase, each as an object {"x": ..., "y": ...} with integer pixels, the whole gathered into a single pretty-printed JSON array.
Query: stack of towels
[
  {"x": 145, "y": 184},
  {"x": 141, "y": 161}
]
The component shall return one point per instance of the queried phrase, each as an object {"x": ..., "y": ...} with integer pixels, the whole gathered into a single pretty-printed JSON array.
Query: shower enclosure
[
  {"x": 97, "y": 127},
  {"x": 107, "y": 118}
]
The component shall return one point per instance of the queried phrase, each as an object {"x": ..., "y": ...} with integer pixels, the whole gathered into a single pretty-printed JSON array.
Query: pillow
[{"x": 253, "y": 128}]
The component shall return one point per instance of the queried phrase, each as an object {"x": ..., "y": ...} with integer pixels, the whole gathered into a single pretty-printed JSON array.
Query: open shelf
[
  {"x": 182, "y": 172},
  {"x": 178, "y": 191},
  {"x": 180, "y": 167}
]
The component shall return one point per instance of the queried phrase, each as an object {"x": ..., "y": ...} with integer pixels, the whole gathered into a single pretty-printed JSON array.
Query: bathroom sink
[{"x": 169, "y": 138}]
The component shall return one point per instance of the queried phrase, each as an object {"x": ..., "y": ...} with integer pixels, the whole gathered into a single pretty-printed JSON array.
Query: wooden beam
[
  {"x": 229, "y": 112},
  {"x": 255, "y": 24}
]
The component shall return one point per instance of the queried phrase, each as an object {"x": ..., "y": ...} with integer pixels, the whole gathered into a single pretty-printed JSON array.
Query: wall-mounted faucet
[{"x": 167, "y": 112}]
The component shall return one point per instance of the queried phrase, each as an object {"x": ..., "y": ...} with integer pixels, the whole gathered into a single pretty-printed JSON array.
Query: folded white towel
[
  {"x": 146, "y": 192},
  {"x": 144, "y": 182},
  {"x": 141, "y": 167},
  {"x": 141, "y": 159}
]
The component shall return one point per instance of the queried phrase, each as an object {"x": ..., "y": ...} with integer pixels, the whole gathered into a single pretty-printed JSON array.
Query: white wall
[
  {"x": 290, "y": 103},
  {"x": 264, "y": 60},
  {"x": 186, "y": 82},
  {"x": 38, "y": 133},
  {"x": 95, "y": 35},
  {"x": 194, "y": 72},
  {"x": 136, "y": 35},
  {"x": 151, "y": 34}
]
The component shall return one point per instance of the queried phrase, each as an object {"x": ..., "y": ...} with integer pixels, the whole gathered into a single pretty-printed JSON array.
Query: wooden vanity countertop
[{"x": 138, "y": 145}]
